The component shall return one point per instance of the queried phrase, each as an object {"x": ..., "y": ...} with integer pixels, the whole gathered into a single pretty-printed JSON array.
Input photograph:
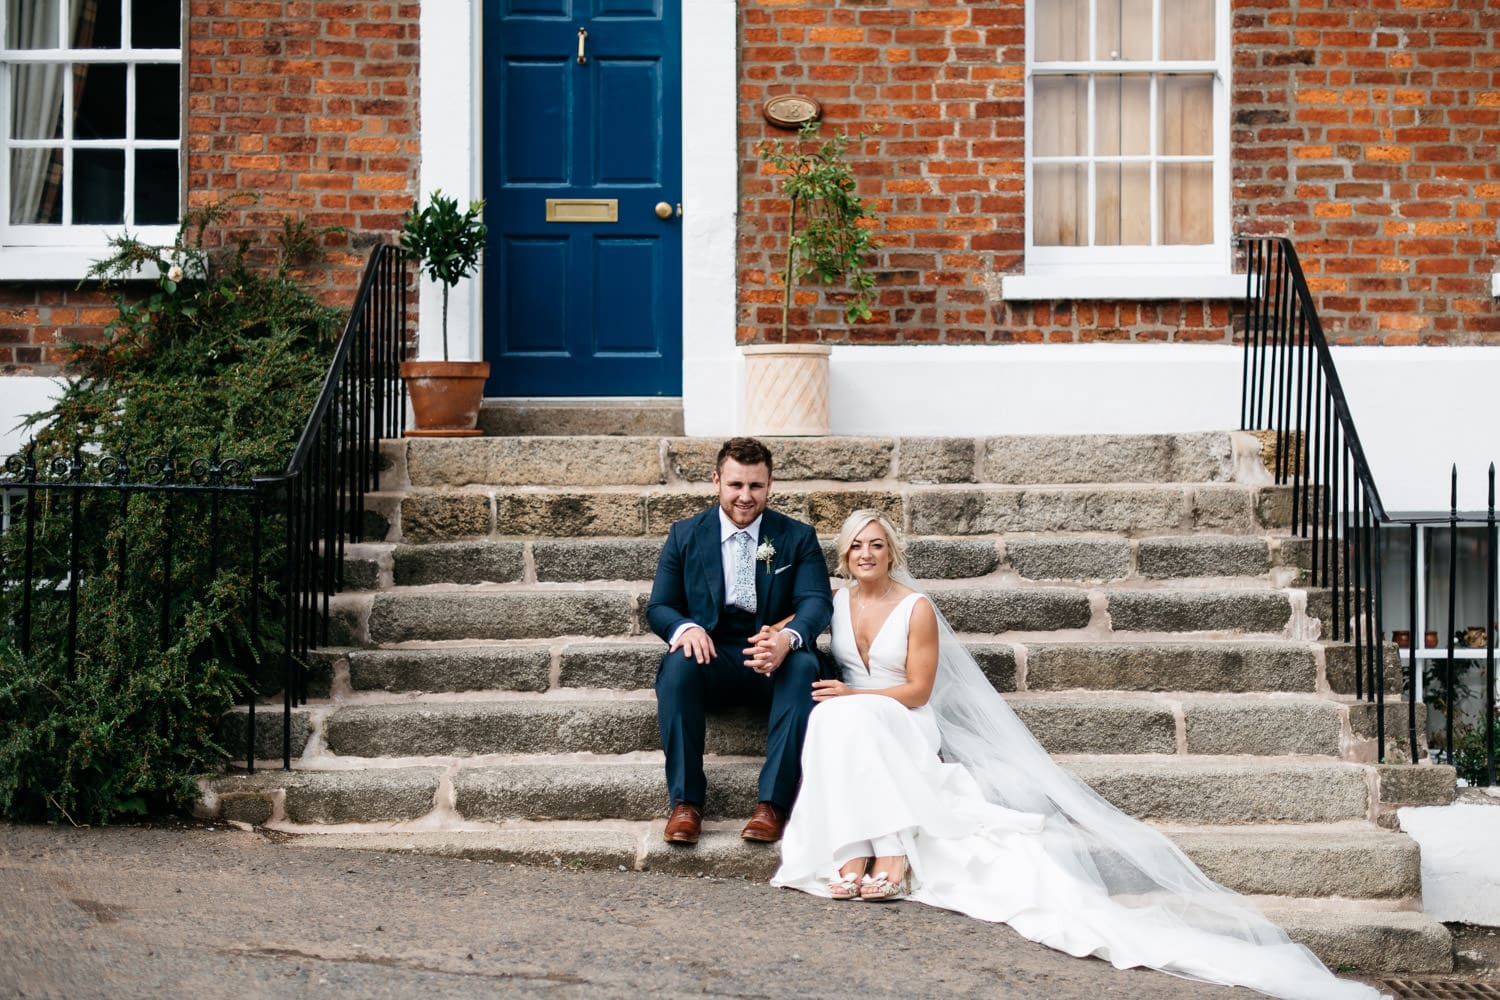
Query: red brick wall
[
  {"x": 1365, "y": 130},
  {"x": 310, "y": 105}
]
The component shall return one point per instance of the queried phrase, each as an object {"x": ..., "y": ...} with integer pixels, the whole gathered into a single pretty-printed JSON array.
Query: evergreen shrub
[{"x": 228, "y": 349}]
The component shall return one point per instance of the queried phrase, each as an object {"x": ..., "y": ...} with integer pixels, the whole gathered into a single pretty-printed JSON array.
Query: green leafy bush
[
  {"x": 1470, "y": 755},
  {"x": 227, "y": 348}
]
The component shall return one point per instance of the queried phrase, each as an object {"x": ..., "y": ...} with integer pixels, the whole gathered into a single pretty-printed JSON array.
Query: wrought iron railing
[
  {"x": 321, "y": 493},
  {"x": 1291, "y": 389},
  {"x": 315, "y": 504}
]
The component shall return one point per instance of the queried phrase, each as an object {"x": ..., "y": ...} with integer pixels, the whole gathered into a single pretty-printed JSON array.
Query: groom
[{"x": 726, "y": 576}]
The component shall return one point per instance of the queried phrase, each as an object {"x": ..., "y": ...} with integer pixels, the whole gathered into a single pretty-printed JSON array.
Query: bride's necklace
[{"x": 861, "y": 603}]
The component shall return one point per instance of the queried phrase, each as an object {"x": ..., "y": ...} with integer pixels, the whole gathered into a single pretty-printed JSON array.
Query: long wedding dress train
[{"x": 1057, "y": 864}]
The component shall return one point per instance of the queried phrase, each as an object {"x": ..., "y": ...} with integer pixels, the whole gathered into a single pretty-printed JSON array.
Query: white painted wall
[{"x": 19, "y": 396}]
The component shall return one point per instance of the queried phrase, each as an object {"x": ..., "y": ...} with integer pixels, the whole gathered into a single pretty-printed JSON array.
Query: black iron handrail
[
  {"x": 1291, "y": 388},
  {"x": 336, "y": 461}
]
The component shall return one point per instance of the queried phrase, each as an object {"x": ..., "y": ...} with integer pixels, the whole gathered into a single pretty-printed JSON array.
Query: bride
[{"x": 994, "y": 828}]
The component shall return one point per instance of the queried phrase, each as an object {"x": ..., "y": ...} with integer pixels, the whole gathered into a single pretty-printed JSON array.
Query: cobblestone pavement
[{"x": 187, "y": 911}]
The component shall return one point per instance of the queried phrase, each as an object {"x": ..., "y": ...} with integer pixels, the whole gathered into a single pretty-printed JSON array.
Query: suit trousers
[{"x": 686, "y": 691}]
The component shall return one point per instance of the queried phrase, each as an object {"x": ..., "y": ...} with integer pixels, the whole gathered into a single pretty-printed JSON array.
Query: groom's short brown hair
[{"x": 746, "y": 451}]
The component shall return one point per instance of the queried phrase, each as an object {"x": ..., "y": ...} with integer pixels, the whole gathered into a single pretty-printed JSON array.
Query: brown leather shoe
[
  {"x": 766, "y": 823},
  {"x": 684, "y": 823}
]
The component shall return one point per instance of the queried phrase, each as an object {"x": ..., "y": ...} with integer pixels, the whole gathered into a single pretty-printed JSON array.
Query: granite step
[
  {"x": 531, "y": 612},
  {"x": 1087, "y": 723},
  {"x": 1350, "y": 861},
  {"x": 1193, "y": 791},
  {"x": 1190, "y": 665},
  {"x": 1032, "y": 557},
  {"x": 1271, "y": 863},
  {"x": 454, "y": 514},
  {"x": 593, "y": 458}
]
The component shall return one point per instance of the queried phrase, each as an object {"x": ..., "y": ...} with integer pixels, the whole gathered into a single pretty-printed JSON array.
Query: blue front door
[{"x": 582, "y": 150}]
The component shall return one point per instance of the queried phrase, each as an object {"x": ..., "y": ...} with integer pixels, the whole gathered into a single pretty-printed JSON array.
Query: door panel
[{"x": 582, "y": 308}]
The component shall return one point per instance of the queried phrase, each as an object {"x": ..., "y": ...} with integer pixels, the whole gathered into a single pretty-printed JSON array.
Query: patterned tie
[{"x": 744, "y": 573}]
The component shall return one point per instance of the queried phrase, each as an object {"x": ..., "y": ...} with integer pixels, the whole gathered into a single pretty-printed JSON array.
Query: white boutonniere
[{"x": 766, "y": 552}]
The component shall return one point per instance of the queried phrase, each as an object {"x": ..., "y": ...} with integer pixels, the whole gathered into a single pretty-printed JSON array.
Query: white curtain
[{"x": 35, "y": 102}]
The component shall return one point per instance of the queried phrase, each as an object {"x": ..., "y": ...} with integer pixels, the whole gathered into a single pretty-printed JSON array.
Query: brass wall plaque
[
  {"x": 583, "y": 210},
  {"x": 791, "y": 110}
]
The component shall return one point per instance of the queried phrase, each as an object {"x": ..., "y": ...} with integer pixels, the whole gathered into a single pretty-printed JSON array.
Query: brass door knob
[{"x": 663, "y": 210}]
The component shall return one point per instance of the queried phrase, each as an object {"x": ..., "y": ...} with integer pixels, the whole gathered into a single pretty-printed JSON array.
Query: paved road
[{"x": 194, "y": 912}]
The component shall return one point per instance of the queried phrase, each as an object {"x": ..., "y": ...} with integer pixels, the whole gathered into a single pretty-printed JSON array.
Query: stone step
[
  {"x": 1352, "y": 862},
  {"x": 1369, "y": 940},
  {"x": 1194, "y": 665},
  {"x": 1088, "y": 723},
  {"x": 434, "y": 515},
  {"x": 1069, "y": 558},
  {"x": 540, "y": 612},
  {"x": 651, "y": 415},
  {"x": 1211, "y": 791},
  {"x": 595, "y": 454}
]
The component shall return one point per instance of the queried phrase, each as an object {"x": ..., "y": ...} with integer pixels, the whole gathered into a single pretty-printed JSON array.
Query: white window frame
[
  {"x": 1134, "y": 272},
  {"x": 66, "y": 251}
]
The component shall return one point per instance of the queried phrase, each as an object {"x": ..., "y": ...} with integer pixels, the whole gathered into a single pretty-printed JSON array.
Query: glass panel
[
  {"x": 1060, "y": 205},
  {"x": 1060, "y": 119},
  {"x": 1187, "y": 203},
  {"x": 99, "y": 97},
  {"x": 30, "y": 25},
  {"x": 37, "y": 91},
  {"x": 156, "y": 187},
  {"x": 158, "y": 104},
  {"x": 34, "y": 178},
  {"x": 98, "y": 186},
  {"x": 1123, "y": 30},
  {"x": 1186, "y": 115},
  {"x": 1122, "y": 116},
  {"x": 157, "y": 24},
  {"x": 1061, "y": 30},
  {"x": 1122, "y": 204},
  {"x": 96, "y": 24},
  {"x": 1187, "y": 29}
]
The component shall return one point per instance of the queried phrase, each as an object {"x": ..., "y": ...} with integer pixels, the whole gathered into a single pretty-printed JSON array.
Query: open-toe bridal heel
[
  {"x": 879, "y": 888},
  {"x": 844, "y": 886}
]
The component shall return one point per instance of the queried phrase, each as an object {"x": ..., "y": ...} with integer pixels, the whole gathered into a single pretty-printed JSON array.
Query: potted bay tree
[
  {"x": 447, "y": 243},
  {"x": 827, "y": 241}
]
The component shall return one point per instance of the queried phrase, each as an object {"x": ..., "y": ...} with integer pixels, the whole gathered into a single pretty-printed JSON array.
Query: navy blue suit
[{"x": 689, "y": 587}]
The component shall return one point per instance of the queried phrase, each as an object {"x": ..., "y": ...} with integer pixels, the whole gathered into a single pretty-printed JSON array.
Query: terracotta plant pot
[{"x": 445, "y": 396}]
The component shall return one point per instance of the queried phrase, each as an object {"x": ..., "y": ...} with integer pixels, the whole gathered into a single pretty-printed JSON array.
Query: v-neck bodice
[{"x": 887, "y": 653}]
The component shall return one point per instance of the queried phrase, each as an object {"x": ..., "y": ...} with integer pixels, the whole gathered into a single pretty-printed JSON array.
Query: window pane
[
  {"x": 1060, "y": 205},
  {"x": 1122, "y": 116},
  {"x": 1123, "y": 30},
  {"x": 1061, "y": 116},
  {"x": 1122, "y": 204},
  {"x": 30, "y": 25},
  {"x": 35, "y": 175},
  {"x": 155, "y": 187},
  {"x": 37, "y": 92},
  {"x": 157, "y": 24},
  {"x": 1187, "y": 203},
  {"x": 1061, "y": 30},
  {"x": 1186, "y": 115},
  {"x": 158, "y": 105},
  {"x": 98, "y": 186},
  {"x": 1187, "y": 29},
  {"x": 99, "y": 97},
  {"x": 96, "y": 24}
]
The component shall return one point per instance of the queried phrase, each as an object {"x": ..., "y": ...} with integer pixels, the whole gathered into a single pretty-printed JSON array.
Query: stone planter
[
  {"x": 445, "y": 396},
  {"x": 786, "y": 389}
]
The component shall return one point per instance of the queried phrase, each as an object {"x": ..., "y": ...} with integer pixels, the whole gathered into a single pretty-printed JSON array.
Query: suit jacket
[{"x": 689, "y": 585}]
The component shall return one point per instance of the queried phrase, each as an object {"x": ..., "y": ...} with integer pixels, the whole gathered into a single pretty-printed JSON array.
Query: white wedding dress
[{"x": 870, "y": 769}]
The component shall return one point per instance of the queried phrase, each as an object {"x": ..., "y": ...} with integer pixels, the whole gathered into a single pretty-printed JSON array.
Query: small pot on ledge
[{"x": 445, "y": 396}]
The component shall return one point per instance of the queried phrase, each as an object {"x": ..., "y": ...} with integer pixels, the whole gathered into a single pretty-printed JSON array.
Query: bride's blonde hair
[{"x": 854, "y": 524}]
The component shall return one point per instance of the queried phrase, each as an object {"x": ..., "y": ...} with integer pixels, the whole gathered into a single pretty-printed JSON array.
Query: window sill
[
  {"x": 47, "y": 263},
  {"x": 1154, "y": 285}
]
